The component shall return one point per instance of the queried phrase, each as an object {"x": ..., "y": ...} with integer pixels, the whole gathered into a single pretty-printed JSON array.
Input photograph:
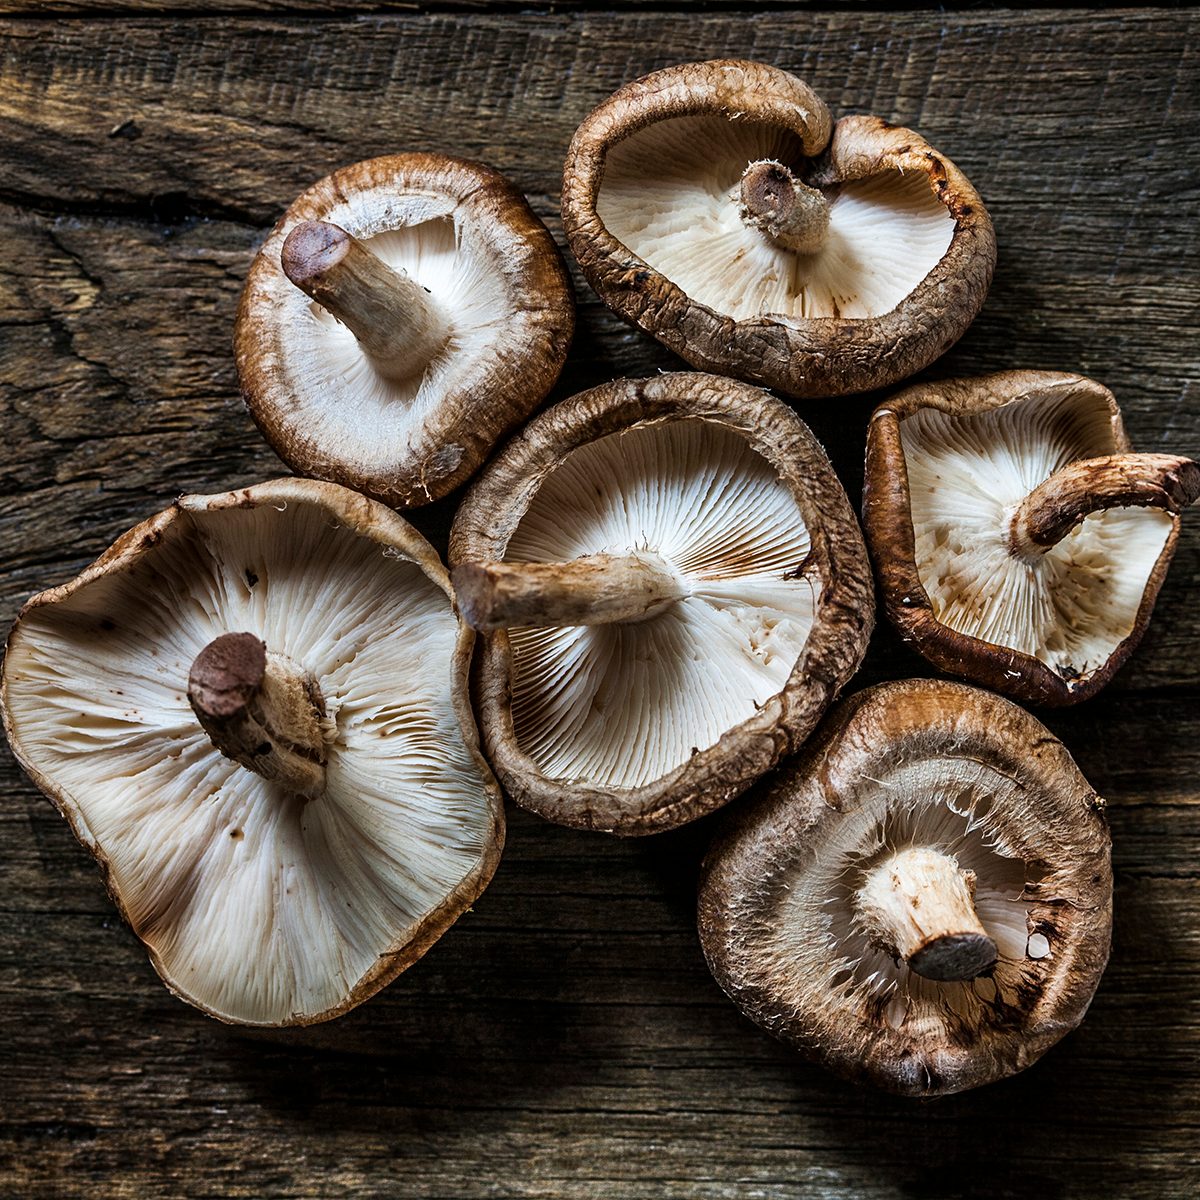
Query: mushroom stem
[
  {"x": 597, "y": 589},
  {"x": 1058, "y": 505},
  {"x": 919, "y": 907},
  {"x": 390, "y": 313},
  {"x": 792, "y": 214},
  {"x": 261, "y": 710}
]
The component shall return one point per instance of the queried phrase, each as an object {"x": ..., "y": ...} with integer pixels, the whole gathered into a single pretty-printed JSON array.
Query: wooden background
[{"x": 565, "y": 1039}]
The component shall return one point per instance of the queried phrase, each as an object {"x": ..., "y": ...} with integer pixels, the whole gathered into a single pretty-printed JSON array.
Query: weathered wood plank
[
  {"x": 565, "y": 1040},
  {"x": 103, "y": 9}
]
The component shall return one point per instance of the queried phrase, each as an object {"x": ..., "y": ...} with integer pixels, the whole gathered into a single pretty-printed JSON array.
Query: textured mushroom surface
[
  {"x": 717, "y": 206},
  {"x": 258, "y": 903},
  {"x": 646, "y": 721},
  {"x": 666, "y": 195},
  {"x": 495, "y": 321},
  {"x": 950, "y": 466},
  {"x": 902, "y": 775}
]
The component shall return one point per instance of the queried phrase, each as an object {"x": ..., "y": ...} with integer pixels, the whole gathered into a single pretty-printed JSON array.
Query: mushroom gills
[
  {"x": 725, "y": 619},
  {"x": 674, "y": 194},
  {"x": 259, "y": 909},
  {"x": 971, "y": 478}
]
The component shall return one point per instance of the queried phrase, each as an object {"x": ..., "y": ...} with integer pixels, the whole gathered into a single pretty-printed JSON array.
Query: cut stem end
[
  {"x": 956, "y": 956},
  {"x": 261, "y": 710},
  {"x": 792, "y": 214},
  {"x": 919, "y": 907}
]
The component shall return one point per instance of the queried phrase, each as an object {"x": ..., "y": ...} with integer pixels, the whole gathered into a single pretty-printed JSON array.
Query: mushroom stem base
[
  {"x": 597, "y": 589},
  {"x": 389, "y": 313},
  {"x": 918, "y": 906},
  {"x": 261, "y": 710},
  {"x": 792, "y": 214}
]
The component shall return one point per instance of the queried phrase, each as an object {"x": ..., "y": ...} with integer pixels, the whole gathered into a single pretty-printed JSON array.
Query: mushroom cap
[
  {"x": 946, "y": 464},
  {"x": 639, "y": 727},
  {"x": 469, "y": 238},
  {"x": 256, "y": 906},
  {"x": 649, "y": 211},
  {"x": 924, "y": 762}
]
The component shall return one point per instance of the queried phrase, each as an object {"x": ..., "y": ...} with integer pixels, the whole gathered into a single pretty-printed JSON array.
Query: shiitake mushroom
[
  {"x": 671, "y": 588},
  {"x": 404, "y": 314},
  {"x": 252, "y": 710},
  {"x": 922, "y": 899},
  {"x": 718, "y": 207}
]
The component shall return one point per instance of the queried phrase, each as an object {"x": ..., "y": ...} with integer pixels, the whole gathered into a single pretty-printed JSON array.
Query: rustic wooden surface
[{"x": 565, "y": 1039}]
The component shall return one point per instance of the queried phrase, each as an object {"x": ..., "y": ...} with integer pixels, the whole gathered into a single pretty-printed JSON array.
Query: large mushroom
[
  {"x": 672, "y": 588},
  {"x": 1019, "y": 540},
  {"x": 923, "y": 899},
  {"x": 716, "y": 206},
  {"x": 404, "y": 314},
  {"x": 253, "y": 711}
]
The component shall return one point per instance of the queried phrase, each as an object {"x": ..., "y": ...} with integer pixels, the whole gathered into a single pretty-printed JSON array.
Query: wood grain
[{"x": 565, "y": 1039}]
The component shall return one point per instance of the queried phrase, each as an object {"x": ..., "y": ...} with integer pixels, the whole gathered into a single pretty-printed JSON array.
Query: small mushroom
[
  {"x": 718, "y": 207},
  {"x": 253, "y": 711},
  {"x": 672, "y": 588},
  {"x": 922, "y": 899},
  {"x": 404, "y": 314},
  {"x": 1019, "y": 541}
]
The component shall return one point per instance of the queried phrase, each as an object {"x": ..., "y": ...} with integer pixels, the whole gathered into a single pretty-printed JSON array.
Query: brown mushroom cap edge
[
  {"x": 779, "y": 833},
  {"x": 498, "y": 500},
  {"x": 367, "y": 519},
  {"x": 802, "y": 357}
]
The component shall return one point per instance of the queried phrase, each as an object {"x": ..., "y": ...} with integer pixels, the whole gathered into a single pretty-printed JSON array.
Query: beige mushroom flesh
[
  {"x": 253, "y": 711},
  {"x": 1019, "y": 540},
  {"x": 923, "y": 899},
  {"x": 671, "y": 589},
  {"x": 405, "y": 313},
  {"x": 718, "y": 207}
]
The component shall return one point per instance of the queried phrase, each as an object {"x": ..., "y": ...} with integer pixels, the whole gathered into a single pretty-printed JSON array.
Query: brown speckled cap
[
  {"x": 717, "y": 206},
  {"x": 283, "y": 878},
  {"x": 404, "y": 314},
  {"x": 1018, "y": 540},
  {"x": 672, "y": 588},
  {"x": 926, "y": 814}
]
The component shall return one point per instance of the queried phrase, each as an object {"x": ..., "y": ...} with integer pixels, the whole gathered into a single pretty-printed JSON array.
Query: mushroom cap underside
[
  {"x": 256, "y": 905},
  {"x": 640, "y": 726},
  {"x": 492, "y": 274},
  {"x": 650, "y": 207},
  {"x": 947, "y": 465},
  {"x": 920, "y": 763}
]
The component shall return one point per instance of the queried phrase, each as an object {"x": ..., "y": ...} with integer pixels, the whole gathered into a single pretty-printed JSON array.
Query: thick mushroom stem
[
  {"x": 792, "y": 214},
  {"x": 1058, "y": 505},
  {"x": 261, "y": 710},
  {"x": 392, "y": 316},
  {"x": 597, "y": 589},
  {"x": 919, "y": 907}
]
